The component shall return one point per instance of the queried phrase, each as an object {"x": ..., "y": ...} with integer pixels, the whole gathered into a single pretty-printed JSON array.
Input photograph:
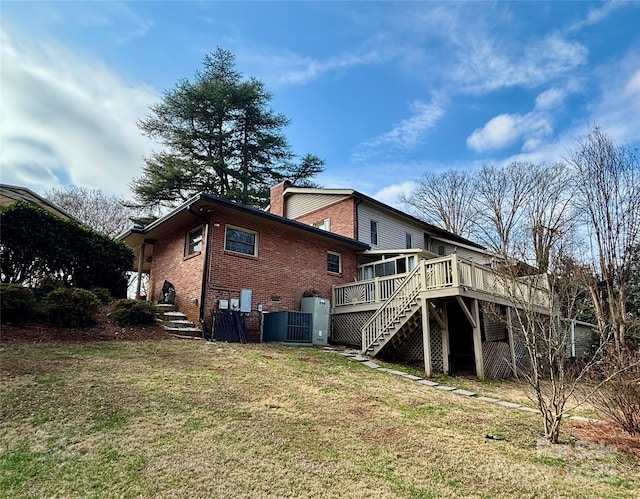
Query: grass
[{"x": 195, "y": 419}]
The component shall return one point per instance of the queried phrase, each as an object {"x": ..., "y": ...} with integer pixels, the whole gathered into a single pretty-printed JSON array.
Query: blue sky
[{"x": 383, "y": 91}]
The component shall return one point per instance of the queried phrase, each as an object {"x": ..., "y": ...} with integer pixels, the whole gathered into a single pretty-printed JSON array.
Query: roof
[
  {"x": 199, "y": 203},
  {"x": 11, "y": 194},
  {"x": 433, "y": 229}
]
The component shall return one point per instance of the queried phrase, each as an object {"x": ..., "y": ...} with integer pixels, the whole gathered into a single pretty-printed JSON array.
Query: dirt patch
[
  {"x": 309, "y": 360},
  {"x": 608, "y": 435},
  {"x": 103, "y": 330}
]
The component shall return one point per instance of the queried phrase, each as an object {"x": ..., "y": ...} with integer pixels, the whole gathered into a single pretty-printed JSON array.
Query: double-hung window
[
  {"x": 193, "y": 243},
  {"x": 334, "y": 262},
  {"x": 240, "y": 240}
]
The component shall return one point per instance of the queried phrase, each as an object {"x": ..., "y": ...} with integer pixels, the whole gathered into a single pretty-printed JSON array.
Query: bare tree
[
  {"x": 545, "y": 308},
  {"x": 445, "y": 200},
  {"x": 608, "y": 196},
  {"x": 501, "y": 195},
  {"x": 98, "y": 210},
  {"x": 549, "y": 216}
]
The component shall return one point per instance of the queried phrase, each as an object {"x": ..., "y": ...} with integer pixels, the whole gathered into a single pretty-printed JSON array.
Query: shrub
[
  {"x": 619, "y": 398},
  {"x": 17, "y": 304},
  {"x": 134, "y": 313},
  {"x": 102, "y": 294},
  {"x": 76, "y": 255},
  {"x": 71, "y": 307}
]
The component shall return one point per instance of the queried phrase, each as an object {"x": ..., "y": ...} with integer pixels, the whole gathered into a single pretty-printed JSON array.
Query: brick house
[
  {"x": 398, "y": 287},
  {"x": 210, "y": 249}
]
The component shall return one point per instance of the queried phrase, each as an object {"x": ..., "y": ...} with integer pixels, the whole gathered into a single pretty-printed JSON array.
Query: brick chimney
[{"x": 276, "y": 198}]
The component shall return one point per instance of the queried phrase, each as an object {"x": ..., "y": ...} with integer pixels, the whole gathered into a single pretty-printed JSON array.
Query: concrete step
[
  {"x": 179, "y": 323},
  {"x": 165, "y": 307},
  {"x": 174, "y": 316},
  {"x": 192, "y": 331}
]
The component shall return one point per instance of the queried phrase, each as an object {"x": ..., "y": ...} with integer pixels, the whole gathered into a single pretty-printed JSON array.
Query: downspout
[
  {"x": 359, "y": 200},
  {"x": 205, "y": 264}
]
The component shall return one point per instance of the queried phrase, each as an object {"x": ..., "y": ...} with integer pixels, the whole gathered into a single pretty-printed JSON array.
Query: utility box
[
  {"x": 319, "y": 309},
  {"x": 287, "y": 326}
]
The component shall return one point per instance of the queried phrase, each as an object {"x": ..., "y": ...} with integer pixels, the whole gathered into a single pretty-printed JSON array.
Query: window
[
  {"x": 323, "y": 224},
  {"x": 193, "y": 241},
  {"x": 374, "y": 232},
  {"x": 407, "y": 239},
  {"x": 334, "y": 262},
  {"x": 441, "y": 250},
  {"x": 240, "y": 241}
]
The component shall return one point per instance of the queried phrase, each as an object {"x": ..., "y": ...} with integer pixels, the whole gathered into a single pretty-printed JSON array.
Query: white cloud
[
  {"x": 595, "y": 15},
  {"x": 405, "y": 135},
  {"x": 391, "y": 194},
  {"x": 617, "y": 110},
  {"x": 505, "y": 129},
  {"x": 289, "y": 68},
  {"x": 66, "y": 119},
  {"x": 487, "y": 65},
  {"x": 550, "y": 99}
]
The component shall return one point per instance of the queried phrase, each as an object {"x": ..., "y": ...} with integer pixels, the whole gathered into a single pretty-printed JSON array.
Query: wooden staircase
[{"x": 397, "y": 316}]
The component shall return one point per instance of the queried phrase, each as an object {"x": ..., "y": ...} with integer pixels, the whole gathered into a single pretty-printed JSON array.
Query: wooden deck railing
[
  {"x": 440, "y": 273},
  {"x": 395, "y": 306}
]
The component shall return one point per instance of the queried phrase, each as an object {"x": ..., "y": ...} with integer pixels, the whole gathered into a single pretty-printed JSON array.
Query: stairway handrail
[{"x": 416, "y": 279}]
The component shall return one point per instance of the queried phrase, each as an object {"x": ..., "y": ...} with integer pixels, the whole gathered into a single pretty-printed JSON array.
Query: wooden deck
[{"x": 443, "y": 277}]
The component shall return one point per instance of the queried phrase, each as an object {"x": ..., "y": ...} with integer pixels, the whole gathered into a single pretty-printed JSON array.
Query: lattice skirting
[
  {"x": 346, "y": 329},
  {"x": 496, "y": 356},
  {"x": 410, "y": 348}
]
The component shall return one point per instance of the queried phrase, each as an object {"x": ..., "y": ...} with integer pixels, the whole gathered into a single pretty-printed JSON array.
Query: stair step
[
  {"x": 182, "y": 330},
  {"x": 174, "y": 316},
  {"x": 166, "y": 307},
  {"x": 179, "y": 324}
]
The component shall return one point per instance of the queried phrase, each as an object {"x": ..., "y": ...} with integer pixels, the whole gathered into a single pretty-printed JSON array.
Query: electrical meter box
[{"x": 319, "y": 308}]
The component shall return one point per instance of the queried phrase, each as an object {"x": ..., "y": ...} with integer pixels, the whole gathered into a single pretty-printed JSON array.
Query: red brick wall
[
  {"x": 341, "y": 215},
  {"x": 288, "y": 263},
  {"x": 185, "y": 273},
  {"x": 276, "y": 198}
]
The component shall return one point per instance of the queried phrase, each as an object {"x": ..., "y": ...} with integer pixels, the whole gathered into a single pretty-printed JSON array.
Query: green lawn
[{"x": 196, "y": 419}]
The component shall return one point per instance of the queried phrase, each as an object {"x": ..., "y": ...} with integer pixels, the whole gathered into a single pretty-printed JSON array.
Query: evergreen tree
[{"x": 219, "y": 136}]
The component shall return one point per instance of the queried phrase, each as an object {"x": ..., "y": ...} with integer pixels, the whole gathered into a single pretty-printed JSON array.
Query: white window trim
[
  {"x": 324, "y": 225},
  {"x": 248, "y": 231},
  {"x": 188, "y": 238},
  {"x": 339, "y": 262}
]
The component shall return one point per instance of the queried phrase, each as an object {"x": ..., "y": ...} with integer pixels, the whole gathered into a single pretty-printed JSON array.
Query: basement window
[
  {"x": 193, "y": 243},
  {"x": 240, "y": 240}
]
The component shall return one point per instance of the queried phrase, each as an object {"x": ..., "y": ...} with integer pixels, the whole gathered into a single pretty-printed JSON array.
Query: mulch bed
[
  {"x": 608, "y": 435},
  {"x": 103, "y": 330}
]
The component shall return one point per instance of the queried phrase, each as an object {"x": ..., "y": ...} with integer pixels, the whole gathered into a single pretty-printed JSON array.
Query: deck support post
[
  {"x": 426, "y": 337},
  {"x": 477, "y": 339}
]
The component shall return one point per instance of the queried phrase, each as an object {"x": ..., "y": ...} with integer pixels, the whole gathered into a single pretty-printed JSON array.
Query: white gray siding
[
  {"x": 391, "y": 230},
  {"x": 301, "y": 204}
]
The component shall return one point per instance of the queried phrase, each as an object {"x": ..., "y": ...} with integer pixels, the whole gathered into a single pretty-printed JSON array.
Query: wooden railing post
[{"x": 455, "y": 270}]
